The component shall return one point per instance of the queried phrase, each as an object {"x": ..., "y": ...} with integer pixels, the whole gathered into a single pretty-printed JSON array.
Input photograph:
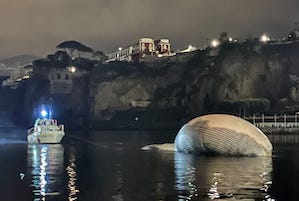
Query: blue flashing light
[{"x": 44, "y": 113}]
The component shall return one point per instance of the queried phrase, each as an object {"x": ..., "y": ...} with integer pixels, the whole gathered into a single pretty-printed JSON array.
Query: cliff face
[
  {"x": 202, "y": 83},
  {"x": 242, "y": 72},
  {"x": 245, "y": 77},
  {"x": 135, "y": 96},
  {"x": 232, "y": 75}
]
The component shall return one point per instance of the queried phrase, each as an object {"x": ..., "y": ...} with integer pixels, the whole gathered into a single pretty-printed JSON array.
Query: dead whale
[{"x": 222, "y": 134}]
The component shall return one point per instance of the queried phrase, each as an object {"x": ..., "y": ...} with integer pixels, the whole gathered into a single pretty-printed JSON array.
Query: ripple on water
[
  {"x": 162, "y": 147},
  {"x": 45, "y": 164},
  {"x": 222, "y": 178}
]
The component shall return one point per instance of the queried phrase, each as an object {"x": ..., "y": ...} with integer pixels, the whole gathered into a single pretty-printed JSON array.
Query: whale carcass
[{"x": 222, "y": 134}]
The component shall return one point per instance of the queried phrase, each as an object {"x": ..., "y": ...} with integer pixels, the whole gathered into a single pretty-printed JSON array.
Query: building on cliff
[
  {"x": 143, "y": 48},
  {"x": 14, "y": 75},
  {"x": 59, "y": 74}
]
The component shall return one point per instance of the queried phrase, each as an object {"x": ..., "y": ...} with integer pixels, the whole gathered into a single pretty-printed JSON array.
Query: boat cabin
[{"x": 45, "y": 122}]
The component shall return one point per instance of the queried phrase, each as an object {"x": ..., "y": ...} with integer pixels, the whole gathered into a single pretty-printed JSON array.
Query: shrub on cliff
[{"x": 245, "y": 106}]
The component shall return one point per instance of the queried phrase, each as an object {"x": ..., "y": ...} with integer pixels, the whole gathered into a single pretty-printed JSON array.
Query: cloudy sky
[{"x": 37, "y": 26}]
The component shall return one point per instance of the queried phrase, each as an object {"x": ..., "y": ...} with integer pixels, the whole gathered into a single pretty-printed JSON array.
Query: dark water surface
[{"x": 112, "y": 166}]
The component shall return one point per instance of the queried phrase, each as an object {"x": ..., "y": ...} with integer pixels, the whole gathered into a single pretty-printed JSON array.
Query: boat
[{"x": 45, "y": 131}]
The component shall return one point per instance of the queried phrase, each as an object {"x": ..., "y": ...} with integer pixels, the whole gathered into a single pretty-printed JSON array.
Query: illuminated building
[{"x": 144, "y": 47}]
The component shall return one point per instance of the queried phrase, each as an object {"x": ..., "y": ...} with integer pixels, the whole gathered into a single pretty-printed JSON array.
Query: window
[
  {"x": 58, "y": 76},
  {"x": 66, "y": 76}
]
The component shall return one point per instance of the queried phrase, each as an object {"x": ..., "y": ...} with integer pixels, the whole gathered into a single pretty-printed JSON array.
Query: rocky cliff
[
  {"x": 137, "y": 94},
  {"x": 243, "y": 78}
]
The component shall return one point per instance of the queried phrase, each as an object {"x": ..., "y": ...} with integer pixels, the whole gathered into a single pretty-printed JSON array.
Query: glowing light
[
  {"x": 215, "y": 43},
  {"x": 72, "y": 187},
  {"x": 44, "y": 113},
  {"x": 264, "y": 38},
  {"x": 230, "y": 39},
  {"x": 189, "y": 49},
  {"x": 46, "y": 162},
  {"x": 72, "y": 69},
  {"x": 120, "y": 49}
]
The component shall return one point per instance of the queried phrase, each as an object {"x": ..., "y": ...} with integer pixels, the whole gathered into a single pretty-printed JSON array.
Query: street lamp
[
  {"x": 215, "y": 43},
  {"x": 264, "y": 38},
  {"x": 119, "y": 53},
  {"x": 72, "y": 69}
]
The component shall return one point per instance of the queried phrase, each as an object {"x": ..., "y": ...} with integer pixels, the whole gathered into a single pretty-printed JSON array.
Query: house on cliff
[
  {"x": 145, "y": 47},
  {"x": 58, "y": 71}
]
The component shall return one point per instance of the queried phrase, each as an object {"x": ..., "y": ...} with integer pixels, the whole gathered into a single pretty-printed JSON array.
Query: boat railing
[
  {"x": 61, "y": 127},
  {"x": 31, "y": 130}
]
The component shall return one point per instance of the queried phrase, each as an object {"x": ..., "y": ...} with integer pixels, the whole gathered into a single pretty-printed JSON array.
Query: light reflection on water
[
  {"x": 46, "y": 165},
  {"x": 225, "y": 178},
  {"x": 185, "y": 176},
  {"x": 72, "y": 177},
  {"x": 115, "y": 168}
]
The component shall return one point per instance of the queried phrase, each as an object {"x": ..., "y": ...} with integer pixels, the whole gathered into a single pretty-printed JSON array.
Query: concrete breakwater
[{"x": 283, "y": 138}]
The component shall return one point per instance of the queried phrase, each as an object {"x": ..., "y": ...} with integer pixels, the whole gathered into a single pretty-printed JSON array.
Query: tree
[
  {"x": 223, "y": 36},
  {"x": 71, "y": 46},
  {"x": 99, "y": 55}
]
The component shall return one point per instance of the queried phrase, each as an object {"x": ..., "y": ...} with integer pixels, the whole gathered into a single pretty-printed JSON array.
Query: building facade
[
  {"x": 60, "y": 78},
  {"x": 144, "y": 47}
]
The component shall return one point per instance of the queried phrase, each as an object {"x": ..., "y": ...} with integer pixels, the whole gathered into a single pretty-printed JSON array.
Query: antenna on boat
[{"x": 50, "y": 113}]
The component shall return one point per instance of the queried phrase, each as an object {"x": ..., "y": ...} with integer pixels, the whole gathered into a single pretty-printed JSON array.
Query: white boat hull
[{"x": 46, "y": 137}]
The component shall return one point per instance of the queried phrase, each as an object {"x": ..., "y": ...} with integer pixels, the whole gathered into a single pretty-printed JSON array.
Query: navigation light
[{"x": 44, "y": 113}]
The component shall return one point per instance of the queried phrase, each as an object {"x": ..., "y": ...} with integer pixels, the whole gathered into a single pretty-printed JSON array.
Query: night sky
[{"x": 37, "y": 26}]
